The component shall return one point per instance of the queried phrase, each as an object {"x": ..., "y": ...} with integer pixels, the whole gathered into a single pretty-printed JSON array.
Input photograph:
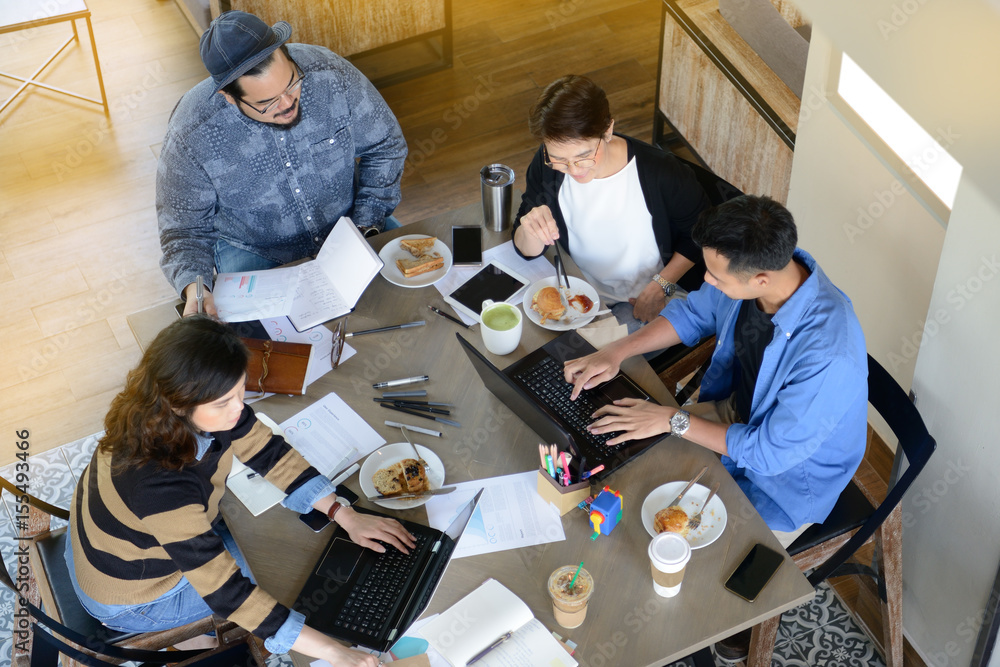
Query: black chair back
[
  {"x": 915, "y": 443},
  {"x": 716, "y": 188}
]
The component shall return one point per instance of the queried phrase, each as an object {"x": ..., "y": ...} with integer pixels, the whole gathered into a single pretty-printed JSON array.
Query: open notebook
[{"x": 483, "y": 616}]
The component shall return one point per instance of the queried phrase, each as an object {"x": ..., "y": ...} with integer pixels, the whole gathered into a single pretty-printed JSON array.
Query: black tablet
[{"x": 492, "y": 282}]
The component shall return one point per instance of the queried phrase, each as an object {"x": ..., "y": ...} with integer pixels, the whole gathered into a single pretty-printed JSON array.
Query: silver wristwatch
[
  {"x": 680, "y": 423},
  {"x": 668, "y": 287}
]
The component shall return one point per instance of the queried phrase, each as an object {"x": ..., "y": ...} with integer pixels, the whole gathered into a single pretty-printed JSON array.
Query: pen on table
[
  {"x": 200, "y": 294},
  {"x": 431, "y": 403},
  {"x": 447, "y": 316},
  {"x": 596, "y": 470},
  {"x": 407, "y": 325},
  {"x": 396, "y": 383},
  {"x": 421, "y": 414},
  {"x": 344, "y": 461},
  {"x": 404, "y": 394},
  {"x": 489, "y": 648},
  {"x": 339, "y": 479},
  {"x": 415, "y": 429},
  {"x": 420, "y": 407}
]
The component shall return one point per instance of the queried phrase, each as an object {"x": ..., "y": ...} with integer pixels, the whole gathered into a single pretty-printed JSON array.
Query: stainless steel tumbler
[{"x": 497, "y": 185}]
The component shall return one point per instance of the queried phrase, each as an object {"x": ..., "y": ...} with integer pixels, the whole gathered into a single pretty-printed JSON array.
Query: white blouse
[{"x": 611, "y": 233}]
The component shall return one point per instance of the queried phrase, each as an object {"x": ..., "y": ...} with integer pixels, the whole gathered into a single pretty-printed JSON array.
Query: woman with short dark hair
[
  {"x": 147, "y": 547},
  {"x": 626, "y": 211}
]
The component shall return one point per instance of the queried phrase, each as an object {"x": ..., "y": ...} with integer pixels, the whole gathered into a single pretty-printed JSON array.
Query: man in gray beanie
[{"x": 261, "y": 159}]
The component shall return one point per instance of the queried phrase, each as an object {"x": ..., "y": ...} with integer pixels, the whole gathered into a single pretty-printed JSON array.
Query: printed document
[{"x": 510, "y": 515}]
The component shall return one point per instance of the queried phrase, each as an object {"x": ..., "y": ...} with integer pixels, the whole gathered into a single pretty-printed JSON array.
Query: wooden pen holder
[{"x": 563, "y": 497}]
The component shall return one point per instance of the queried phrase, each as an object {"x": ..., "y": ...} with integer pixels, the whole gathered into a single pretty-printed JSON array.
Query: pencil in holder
[{"x": 564, "y": 498}]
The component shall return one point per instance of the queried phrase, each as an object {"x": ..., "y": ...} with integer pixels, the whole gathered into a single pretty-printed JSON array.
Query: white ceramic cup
[
  {"x": 501, "y": 340},
  {"x": 669, "y": 554}
]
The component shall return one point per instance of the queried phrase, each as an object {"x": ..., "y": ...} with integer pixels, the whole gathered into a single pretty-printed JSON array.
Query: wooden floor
[{"x": 78, "y": 244}]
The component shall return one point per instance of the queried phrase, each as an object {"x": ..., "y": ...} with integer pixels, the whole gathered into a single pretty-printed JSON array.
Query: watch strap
[{"x": 668, "y": 287}]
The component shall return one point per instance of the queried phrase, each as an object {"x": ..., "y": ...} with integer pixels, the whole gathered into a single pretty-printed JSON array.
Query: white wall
[
  {"x": 871, "y": 236},
  {"x": 936, "y": 59},
  {"x": 954, "y": 507}
]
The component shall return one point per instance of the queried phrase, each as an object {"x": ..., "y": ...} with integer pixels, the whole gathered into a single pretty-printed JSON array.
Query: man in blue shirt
[
  {"x": 788, "y": 378},
  {"x": 262, "y": 159}
]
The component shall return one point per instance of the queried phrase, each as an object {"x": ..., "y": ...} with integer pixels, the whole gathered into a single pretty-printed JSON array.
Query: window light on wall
[{"x": 921, "y": 152}]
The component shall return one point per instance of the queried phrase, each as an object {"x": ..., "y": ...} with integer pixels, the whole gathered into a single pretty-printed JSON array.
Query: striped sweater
[{"x": 137, "y": 532}]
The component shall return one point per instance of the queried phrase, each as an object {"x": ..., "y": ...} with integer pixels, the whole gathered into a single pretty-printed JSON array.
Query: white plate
[
  {"x": 394, "y": 453},
  {"x": 713, "y": 520},
  {"x": 576, "y": 286},
  {"x": 392, "y": 251}
]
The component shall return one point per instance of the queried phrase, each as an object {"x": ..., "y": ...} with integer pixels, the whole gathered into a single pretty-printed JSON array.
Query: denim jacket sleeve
[
  {"x": 282, "y": 640},
  {"x": 380, "y": 145},
  {"x": 301, "y": 499},
  {"x": 185, "y": 211}
]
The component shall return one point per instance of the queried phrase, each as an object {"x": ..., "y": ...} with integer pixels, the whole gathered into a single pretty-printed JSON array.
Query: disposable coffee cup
[
  {"x": 669, "y": 554},
  {"x": 501, "y": 327},
  {"x": 569, "y": 605},
  {"x": 496, "y": 182}
]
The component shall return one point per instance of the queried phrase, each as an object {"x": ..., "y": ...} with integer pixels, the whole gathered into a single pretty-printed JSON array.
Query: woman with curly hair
[
  {"x": 626, "y": 211},
  {"x": 148, "y": 549}
]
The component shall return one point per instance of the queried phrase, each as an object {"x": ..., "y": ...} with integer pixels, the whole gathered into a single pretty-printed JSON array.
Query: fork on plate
[{"x": 695, "y": 521}]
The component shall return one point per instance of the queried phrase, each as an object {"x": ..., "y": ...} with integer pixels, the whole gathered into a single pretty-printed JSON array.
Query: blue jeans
[
  {"x": 179, "y": 606},
  {"x": 230, "y": 259}
]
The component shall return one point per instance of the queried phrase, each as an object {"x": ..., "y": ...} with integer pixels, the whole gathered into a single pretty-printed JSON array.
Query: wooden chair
[
  {"x": 676, "y": 363},
  {"x": 47, "y": 583},
  {"x": 857, "y": 519}
]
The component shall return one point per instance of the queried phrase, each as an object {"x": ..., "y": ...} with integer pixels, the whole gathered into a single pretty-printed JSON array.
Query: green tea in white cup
[{"x": 501, "y": 318}]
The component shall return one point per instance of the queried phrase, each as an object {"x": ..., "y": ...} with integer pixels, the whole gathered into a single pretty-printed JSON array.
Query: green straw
[{"x": 573, "y": 581}]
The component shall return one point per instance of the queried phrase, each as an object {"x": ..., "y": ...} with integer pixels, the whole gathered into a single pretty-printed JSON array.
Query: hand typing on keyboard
[
  {"x": 589, "y": 371},
  {"x": 634, "y": 417},
  {"x": 372, "y": 532}
]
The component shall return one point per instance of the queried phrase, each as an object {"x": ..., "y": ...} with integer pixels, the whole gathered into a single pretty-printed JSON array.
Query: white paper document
[
  {"x": 310, "y": 293},
  {"x": 510, "y": 515},
  {"x": 327, "y": 431},
  {"x": 329, "y": 434},
  {"x": 252, "y": 295},
  {"x": 505, "y": 255}
]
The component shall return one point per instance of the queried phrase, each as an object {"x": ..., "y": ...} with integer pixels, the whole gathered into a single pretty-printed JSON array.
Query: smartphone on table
[
  {"x": 317, "y": 520},
  {"x": 467, "y": 245},
  {"x": 754, "y": 571}
]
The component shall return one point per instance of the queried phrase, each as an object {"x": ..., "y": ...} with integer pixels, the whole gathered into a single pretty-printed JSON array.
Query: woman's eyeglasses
[{"x": 584, "y": 163}]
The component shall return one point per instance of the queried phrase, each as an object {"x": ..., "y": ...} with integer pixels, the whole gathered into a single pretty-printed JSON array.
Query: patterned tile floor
[{"x": 818, "y": 634}]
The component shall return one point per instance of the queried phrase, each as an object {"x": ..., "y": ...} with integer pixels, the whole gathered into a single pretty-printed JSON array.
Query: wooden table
[
  {"x": 27, "y": 15},
  {"x": 627, "y": 624}
]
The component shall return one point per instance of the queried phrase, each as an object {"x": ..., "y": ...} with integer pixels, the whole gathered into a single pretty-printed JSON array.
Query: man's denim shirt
[
  {"x": 275, "y": 192},
  {"x": 808, "y": 420}
]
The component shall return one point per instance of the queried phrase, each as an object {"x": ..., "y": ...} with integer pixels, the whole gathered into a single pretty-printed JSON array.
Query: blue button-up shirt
[
  {"x": 275, "y": 192},
  {"x": 808, "y": 421}
]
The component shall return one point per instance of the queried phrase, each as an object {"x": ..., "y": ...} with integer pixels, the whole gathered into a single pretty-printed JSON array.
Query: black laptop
[
  {"x": 370, "y": 599},
  {"x": 534, "y": 389}
]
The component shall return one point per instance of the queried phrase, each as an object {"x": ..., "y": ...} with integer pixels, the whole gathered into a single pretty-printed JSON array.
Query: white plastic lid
[{"x": 669, "y": 549}]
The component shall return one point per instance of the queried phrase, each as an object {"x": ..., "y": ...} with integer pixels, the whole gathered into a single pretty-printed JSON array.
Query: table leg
[
  {"x": 762, "y": 642},
  {"x": 97, "y": 65}
]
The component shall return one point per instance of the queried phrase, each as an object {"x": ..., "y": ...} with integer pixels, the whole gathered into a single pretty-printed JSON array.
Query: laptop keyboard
[
  {"x": 379, "y": 588},
  {"x": 545, "y": 378}
]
